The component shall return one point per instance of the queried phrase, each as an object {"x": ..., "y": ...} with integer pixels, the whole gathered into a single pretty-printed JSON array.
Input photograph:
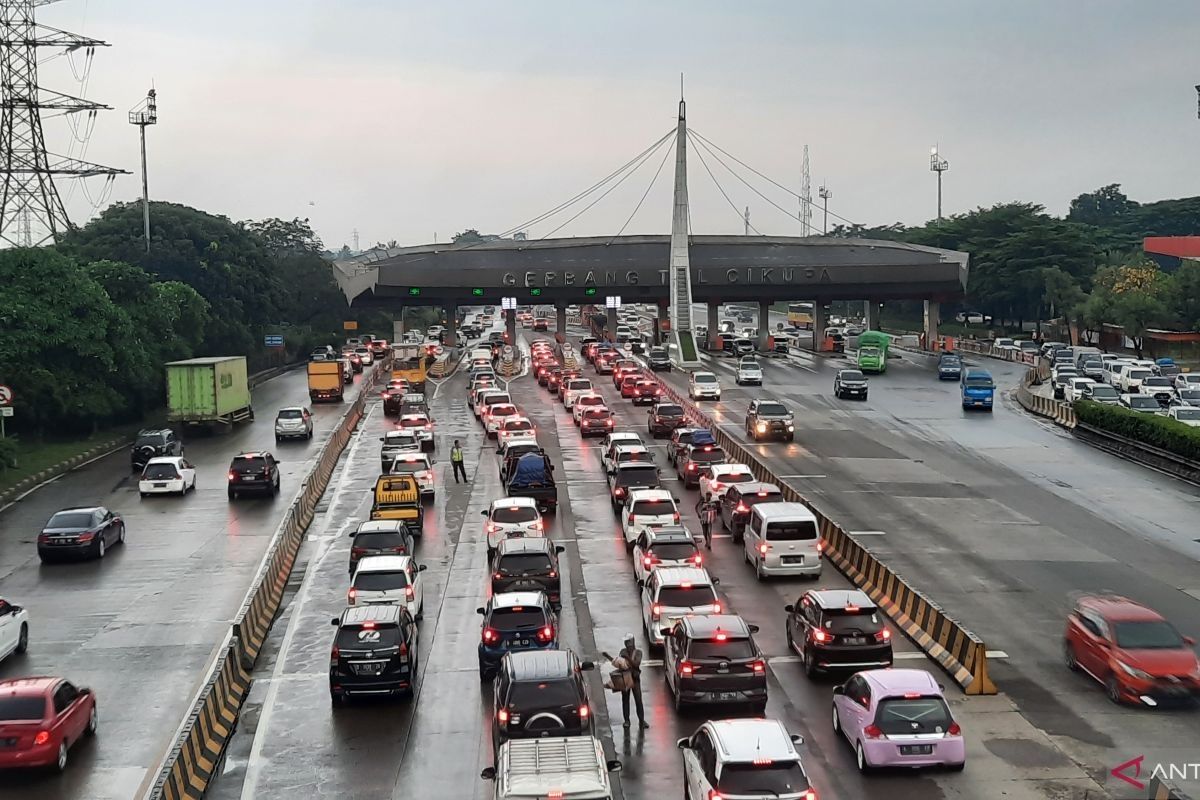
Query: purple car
[{"x": 897, "y": 718}]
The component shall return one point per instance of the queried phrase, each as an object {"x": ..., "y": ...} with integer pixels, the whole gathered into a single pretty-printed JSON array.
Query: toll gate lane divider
[
  {"x": 959, "y": 651},
  {"x": 200, "y": 743}
]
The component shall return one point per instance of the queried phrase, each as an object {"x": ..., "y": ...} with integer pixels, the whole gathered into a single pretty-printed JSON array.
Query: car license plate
[
  {"x": 367, "y": 669},
  {"x": 916, "y": 749},
  {"x": 792, "y": 559},
  {"x": 160, "y": 486},
  {"x": 8, "y": 742},
  {"x": 516, "y": 535},
  {"x": 856, "y": 640},
  {"x": 727, "y": 695}
]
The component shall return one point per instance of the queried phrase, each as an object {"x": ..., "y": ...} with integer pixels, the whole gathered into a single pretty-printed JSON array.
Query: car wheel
[
  {"x": 1069, "y": 657},
  {"x": 956, "y": 767},
  {"x": 861, "y": 759},
  {"x": 278, "y": 439},
  {"x": 336, "y": 699},
  {"x": 93, "y": 722},
  {"x": 310, "y": 433},
  {"x": 60, "y": 763},
  {"x": 232, "y": 494},
  {"x": 121, "y": 536},
  {"x": 810, "y": 664},
  {"x": 100, "y": 549},
  {"x": 143, "y": 494},
  {"x": 837, "y": 721},
  {"x": 22, "y": 639},
  {"x": 1113, "y": 689},
  {"x": 758, "y": 573}
]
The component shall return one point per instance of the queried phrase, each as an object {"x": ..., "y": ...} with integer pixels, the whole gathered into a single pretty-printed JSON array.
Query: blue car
[
  {"x": 978, "y": 389},
  {"x": 512, "y": 622},
  {"x": 949, "y": 367}
]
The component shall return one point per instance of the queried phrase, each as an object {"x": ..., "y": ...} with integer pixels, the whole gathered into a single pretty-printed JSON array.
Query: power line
[
  {"x": 744, "y": 181},
  {"x": 654, "y": 180},
  {"x": 722, "y": 189}
]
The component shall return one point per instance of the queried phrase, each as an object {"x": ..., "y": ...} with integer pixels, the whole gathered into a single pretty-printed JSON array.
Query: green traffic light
[
  {"x": 414, "y": 291},
  {"x": 477, "y": 292},
  {"x": 590, "y": 291}
]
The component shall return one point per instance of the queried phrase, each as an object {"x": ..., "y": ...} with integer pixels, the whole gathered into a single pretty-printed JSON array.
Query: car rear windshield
[
  {"x": 591, "y": 400},
  {"x": 1143, "y": 402},
  {"x": 256, "y": 464},
  {"x": 1188, "y": 414},
  {"x": 353, "y": 637},
  {"x": 399, "y": 439},
  {"x": 517, "y": 618},
  {"x": 652, "y": 507},
  {"x": 735, "y": 477},
  {"x": 152, "y": 439},
  {"x": 673, "y": 551},
  {"x": 1147, "y": 635},
  {"x": 669, "y": 411},
  {"x": 71, "y": 519},
  {"x": 793, "y": 531},
  {"x": 413, "y": 422},
  {"x": 291, "y": 413},
  {"x": 22, "y": 708},
  {"x": 751, "y": 500},
  {"x": 1104, "y": 391},
  {"x": 518, "y": 425},
  {"x": 638, "y": 476},
  {"x": 775, "y": 778},
  {"x": 543, "y": 694},
  {"x": 900, "y": 716},
  {"x": 579, "y": 384},
  {"x": 772, "y": 410},
  {"x": 1163, "y": 382},
  {"x": 702, "y": 456},
  {"x": 514, "y": 514},
  {"x": 1138, "y": 374},
  {"x": 381, "y": 540},
  {"x": 597, "y": 413},
  {"x": 501, "y": 397},
  {"x": 729, "y": 648},
  {"x": 520, "y": 563},
  {"x": 686, "y": 596},
  {"x": 380, "y": 581},
  {"x": 842, "y": 621},
  {"x": 407, "y": 467},
  {"x": 158, "y": 472}
]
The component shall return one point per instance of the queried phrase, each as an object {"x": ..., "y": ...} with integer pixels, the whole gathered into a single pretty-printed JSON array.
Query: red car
[
  {"x": 1131, "y": 649},
  {"x": 644, "y": 392},
  {"x": 41, "y": 719}
]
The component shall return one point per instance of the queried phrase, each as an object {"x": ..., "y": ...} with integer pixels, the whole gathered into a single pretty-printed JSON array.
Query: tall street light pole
[
  {"x": 145, "y": 114},
  {"x": 824, "y": 193},
  {"x": 939, "y": 165}
]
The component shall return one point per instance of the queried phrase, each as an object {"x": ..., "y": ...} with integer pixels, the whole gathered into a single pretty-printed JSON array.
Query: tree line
[{"x": 88, "y": 324}]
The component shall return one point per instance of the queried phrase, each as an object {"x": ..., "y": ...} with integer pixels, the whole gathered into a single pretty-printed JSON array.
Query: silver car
[{"x": 293, "y": 422}]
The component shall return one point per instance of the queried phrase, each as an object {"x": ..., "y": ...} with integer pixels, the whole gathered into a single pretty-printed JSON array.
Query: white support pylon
[{"x": 681, "y": 267}]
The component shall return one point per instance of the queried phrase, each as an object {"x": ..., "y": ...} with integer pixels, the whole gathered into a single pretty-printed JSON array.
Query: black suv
[
  {"x": 739, "y": 498},
  {"x": 769, "y": 419},
  {"x": 695, "y": 458},
  {"x": 253, "y": 472},
  {"x": 658, "y": 359},
  {"x": 380, "y": 537},
  {"x": 631, "y": 475},
  {"x": 153, "y": 444},
  {"x": 540, "y": 693},
  {"x": 714, "y": 660},
  {"x": 681, "y": 438},
  {"x": 528, "y": 565},
  {"x": 838, "y": 629},
  {"x": 374, "y": 652},
  {"x": 665, "y": 417}
]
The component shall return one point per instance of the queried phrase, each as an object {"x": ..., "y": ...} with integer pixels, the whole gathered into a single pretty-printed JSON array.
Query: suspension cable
[{"x": 722, "y": 190}]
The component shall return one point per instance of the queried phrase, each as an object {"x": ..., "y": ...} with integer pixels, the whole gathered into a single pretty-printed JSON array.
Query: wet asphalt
[{"x": 140, "y": 626}]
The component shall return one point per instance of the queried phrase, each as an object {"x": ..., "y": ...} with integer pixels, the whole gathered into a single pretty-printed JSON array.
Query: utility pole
[
  {"x": 939, "y": 165},
  {"x": 146, "y": 113},
  {"x": 27, "y": 169},
  {"x": 746, "y": 219},
  {"x": 355, "y": 235},
  {"x": 805, "y": 197},
  {"x": 824, "y": 193}
]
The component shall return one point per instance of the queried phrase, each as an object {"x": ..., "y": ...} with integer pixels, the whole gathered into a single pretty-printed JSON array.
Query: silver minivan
[{"x": 783, "y": 539}]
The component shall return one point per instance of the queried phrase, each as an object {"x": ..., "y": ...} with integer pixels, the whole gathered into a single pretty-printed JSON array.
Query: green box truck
[
  {"x": 873, "y": 351},
  {"x": 208, "y": 391}
]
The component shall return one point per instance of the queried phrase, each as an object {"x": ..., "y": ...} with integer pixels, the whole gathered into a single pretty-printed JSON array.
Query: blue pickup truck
[{"x": 978, "y": 389}]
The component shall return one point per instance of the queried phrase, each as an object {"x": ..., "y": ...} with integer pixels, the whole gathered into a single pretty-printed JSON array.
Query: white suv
[
  {"x": 511, "y": 517},
  {"x": 748, "y": 371},
  {"x": 716, "y": 480},
  {"x": 646, "y": 508},
  {"x": 575, "y": 388},
  {"x": 674, "y": 592},
  {"x": 1131, "y": 378},
  {"x": 582, "y": 403},
  {"x": 744, "y": 758},
  {"x": 704, "y": 385}
]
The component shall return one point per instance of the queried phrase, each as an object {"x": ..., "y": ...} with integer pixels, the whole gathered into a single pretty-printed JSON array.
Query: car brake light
[
  {"x": 820, "y": 545},
  {"x": 851, "y": 609},
  {"x": 883, "y": 636},
  {"x": 676, "y": 517},
  {"x": 656, "y": 611},
  {"x": 763, "y": 548},
  {"x": 762, "y": 762},
  {"x": 820, "y": 635},
  {"x": 872, "y": 732},
  {"x": 502, "y": 716},
  {"x": 403, "y": 652},
  {"x": 955, "y": 729},
  {"x": 545, "y": 634},
  {"x": 41, "y": 738},
  {"x": 809, "y": 794},
  {"x": 409, "y": 593},
  {"x": 697, "y": 559},
  {"x": 232, "y": 475},
  {"x": 713, "y": 794},
  {"x": 686, "y": 668},
  {"x": 647, "y": 561},
  {"x": 537, "y": 526},
  {"x": 717, "y": 606},
  {"x": 691, "y": 466},
  {"x": 742, "y": 506},
  {"x": 721, "y": 637},
  {"x": 490, "y": 636},
  {"x": 492, "y": 527},
  {"x": 584, "y": 711},
  {"x": 351, "y": 595},
  {"x": 759, "y": 666},
  {"x": 334, "y": 656},
  {"x": 630, "y": 520}
]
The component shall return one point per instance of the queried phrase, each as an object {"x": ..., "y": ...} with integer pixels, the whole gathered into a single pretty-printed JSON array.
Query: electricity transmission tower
[
  {"x": 31, "y": 210},
  {"x": 805, "y": 197}
]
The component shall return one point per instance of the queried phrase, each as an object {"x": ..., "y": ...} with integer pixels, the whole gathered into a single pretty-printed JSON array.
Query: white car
[
  {"x": 481, "y": 397},
  {"x": 616, "y": 437},
  {"x": 1004, "y": 343},
  {"x": 1187, "y": 380},
  {"x": 704, "y": 385},
  {"x": 1074, "y": 390},
  {"x": 364, "y": 354},
  {"x": 1131, "y": 378},
  {"x": 1188, "y": 415},
  {"x": 744, "y": 749},
  {"x": 674, "y": 592},
  {"x": 388, "y": 580},
  {"x": 421, "y": 427},
  {"x": 167, "y": 475},
  {"x": 495, "y": 416},
  {"x": 1111, "y": 374},
  {"x": 647, "y": 508},
  {"x": 748, "y": 371},
  {"x": 575, "y": 388},
  {"x": 583, "y": 402},
  {"x": 1160, "y": 389},
  {"x": 513, "y": 428},
  {"x": 516, "y": 517},
  {"x": 396, "y": 442},
  {"x": 420, "y": 466},
  {"x": 14, "y": 629},
  {"x": 667, "y": 546},
  {"x": 716, "y": 480}
]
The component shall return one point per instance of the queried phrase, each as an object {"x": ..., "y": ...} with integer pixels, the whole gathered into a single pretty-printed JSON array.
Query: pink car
[{"x": 897, "y": 718}]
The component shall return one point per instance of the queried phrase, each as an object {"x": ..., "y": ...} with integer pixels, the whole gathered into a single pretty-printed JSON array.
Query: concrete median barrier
[
  {"x": 959, "y": 651},
  {"x": 1057, "y": 410}
]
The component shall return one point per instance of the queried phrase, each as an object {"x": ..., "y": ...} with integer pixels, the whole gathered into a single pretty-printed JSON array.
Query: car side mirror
[
  {"x": 613, "y": 765},
  {"x": 587, "y": 665},
  {"x": 335, "y": 621},
  {"x": 641, "y": 582},
  {"x": 422, "y": 567},
  {"x": 558, "y": 548},
  {"x": 488, "y": 773},
  {"x": 839, "y": 689},
  {"x": 716, "y": 581},
  {"x": 483, "y": 513},
  {"x": 480, "y": 611},
  {"x": 752, "y": 628},
  {"x": 683, "y": 744},
  {"x": 499, "y": 451},
  {"x": 797, "y": 738},
  {"x": 790, "y": 608},
  {"x": 1189, "y": 640}
]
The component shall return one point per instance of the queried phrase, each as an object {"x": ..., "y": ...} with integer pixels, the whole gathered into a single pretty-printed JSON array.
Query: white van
[
  {"x": 571, "y": 768},
  {"x": 783, "y": 539}
]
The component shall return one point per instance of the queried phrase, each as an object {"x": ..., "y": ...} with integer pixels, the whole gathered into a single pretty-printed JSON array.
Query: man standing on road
[
  {"x": 707, "y": 511},
  {"x": 633, "y": 659},
  {"x": 456, "y": 459}
]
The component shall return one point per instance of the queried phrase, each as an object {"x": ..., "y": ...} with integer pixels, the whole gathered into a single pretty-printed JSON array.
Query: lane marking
[
  {"x": 868, "y": 533},
  {"x": 802, "y": 476}
]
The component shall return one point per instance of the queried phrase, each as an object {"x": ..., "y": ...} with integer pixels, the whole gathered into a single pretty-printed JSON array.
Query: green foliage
[
  {"x": 1107, "y": 207},
  {"x": 1161, "y": 432},
  {"x": 469, "y": 236},
  {"x": 1183, "y": 296},
  {"x": 8, "y": 452}
]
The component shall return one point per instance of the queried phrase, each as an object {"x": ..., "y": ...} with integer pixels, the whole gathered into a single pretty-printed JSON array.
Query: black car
[
  {"x": 664, "y": 418},
  {"x": 850, "y": 383},
  {"x": 380, "y": 537},
  {"x": 512, "y": 622},
  {"x": 253, "y": 472},
  {"x": 769, "y": 419},
  {"x": 681, "y": 438},
  {"x": 540, "y": 693},
  {"x": 838, "y": 629},
  {"x": 695, "y": 458},
  {"x": 528, "y": 564},
  {"x": 631, "y": 475},
  {"x": 153, "y": 444},
  {"x": 713, "y": 660},
  {"x": 87, "y": 532},
  {"x": 658, "y": 359},
  {"x": 374, "y": 652},
  {"x": 739, "y": 499}
]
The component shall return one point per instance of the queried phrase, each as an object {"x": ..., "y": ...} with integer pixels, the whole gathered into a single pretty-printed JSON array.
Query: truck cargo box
[{"x": 208, "y": 390}]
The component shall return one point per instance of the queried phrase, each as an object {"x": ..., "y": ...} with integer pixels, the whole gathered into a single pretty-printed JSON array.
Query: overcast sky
[{"x": 407, "y": 120}]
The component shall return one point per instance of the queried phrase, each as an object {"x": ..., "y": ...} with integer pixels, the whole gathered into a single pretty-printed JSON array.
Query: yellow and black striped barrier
[{"x": 1161, "y": 790}]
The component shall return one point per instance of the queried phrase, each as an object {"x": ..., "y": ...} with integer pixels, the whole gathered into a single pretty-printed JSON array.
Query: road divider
[
  {"x": 200, "y": 743},
  {"x": 959, "y": 651},
  {"x": 1048, "y": 407}
]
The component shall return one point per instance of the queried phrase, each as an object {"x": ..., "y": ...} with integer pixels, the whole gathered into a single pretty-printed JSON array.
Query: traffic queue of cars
[{"x": 1143, "y": 386}]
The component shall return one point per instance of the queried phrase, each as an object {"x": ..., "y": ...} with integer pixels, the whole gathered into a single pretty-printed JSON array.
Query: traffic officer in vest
[{"x": 456, "y": 459}]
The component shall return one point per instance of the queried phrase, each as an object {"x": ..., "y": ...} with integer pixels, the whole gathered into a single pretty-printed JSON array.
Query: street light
[
  {"x": 939, "y": 165},
  {"x": 824, "y": 193}
]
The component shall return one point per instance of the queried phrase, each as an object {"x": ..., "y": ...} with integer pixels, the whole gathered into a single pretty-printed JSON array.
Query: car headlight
[
  {"x": 1134, "y": 671},
  {"x": 762, "y": 427},
  {"x": 791, "y": 428}
]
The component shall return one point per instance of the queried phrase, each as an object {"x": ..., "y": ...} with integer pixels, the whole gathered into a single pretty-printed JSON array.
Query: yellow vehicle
[
  {"x": 325, "y": 381},
  {"x": 408, "y": 362},
  {"x": 398, "y": 497},
  {"x": 800, "y": 315}
]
